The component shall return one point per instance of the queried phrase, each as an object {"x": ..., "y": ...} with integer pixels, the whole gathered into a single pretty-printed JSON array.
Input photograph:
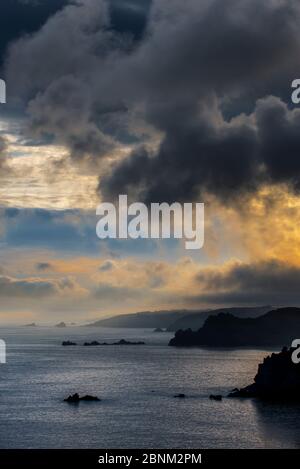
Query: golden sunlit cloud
[{"x": 264, "y": 225}]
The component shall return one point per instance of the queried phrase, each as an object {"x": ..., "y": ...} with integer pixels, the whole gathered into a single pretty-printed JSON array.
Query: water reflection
[{"x": 278, "y": 423}]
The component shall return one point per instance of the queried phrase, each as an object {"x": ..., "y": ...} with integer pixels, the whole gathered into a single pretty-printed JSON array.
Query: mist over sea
[{"x": 136, "y": 385}]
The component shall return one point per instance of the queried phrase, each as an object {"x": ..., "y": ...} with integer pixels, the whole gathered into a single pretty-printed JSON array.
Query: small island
[
  {"x": 120, "y": 342},
  {"x": 277, "y": 378},
  {"x": 179, "y": 396},
  {"x": 68, "y": 343},
  {"x": 75, "y": 398}
]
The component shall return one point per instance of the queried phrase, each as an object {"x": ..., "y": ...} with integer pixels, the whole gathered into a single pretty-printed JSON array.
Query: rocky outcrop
[
  {"x": 216, "y": 397},
  {"x": 68, "y": 343},
  {"x": 92, "y": 344},
  {"x": 127, "y": 342},
  {"x": 120, "y": 342},
  {"x": 277, "y": 378},
  {"x": 75, "y": 398}
]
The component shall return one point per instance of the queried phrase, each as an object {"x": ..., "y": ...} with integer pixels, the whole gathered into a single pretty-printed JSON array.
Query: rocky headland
[
  {"x": 274, "y": 328},
  {"x": 278, "y": 377}
]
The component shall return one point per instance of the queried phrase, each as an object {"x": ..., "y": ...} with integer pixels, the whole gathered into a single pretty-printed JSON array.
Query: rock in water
[
  {"x": 126, "y": 342},
  {"x": 68, "y": 342},
  {"x": 216, "y": 397},
  {"x": 89, "y": 398},
  {"x": 92, "y": 344},
  {"x": 75, "y": 398},
  {"x": 277, "y": 378}
]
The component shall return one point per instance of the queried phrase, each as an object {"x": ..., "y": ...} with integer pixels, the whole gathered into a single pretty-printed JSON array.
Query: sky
[{"x": 163, "y": 101}]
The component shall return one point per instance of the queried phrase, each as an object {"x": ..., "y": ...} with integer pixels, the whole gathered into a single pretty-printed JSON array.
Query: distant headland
[
  {"x": 274, "y": 328},
  {"x": 172, "y": 320}
]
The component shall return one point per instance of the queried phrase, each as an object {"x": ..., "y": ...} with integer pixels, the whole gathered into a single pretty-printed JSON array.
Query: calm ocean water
[{"x": 136, "y": 385}]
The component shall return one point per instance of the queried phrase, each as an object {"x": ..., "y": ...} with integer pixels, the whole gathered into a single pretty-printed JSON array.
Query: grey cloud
[
  {"x": 189, "y": 65},
  {"x": 213, "y": 155},
  {"x": 64, "y": 111},
  {"x": 28, "y": 288},
  {"x": 55, "y": 72},
  {"x": 20, "y": 16},
  {"x": 279, "y": 140},
  {"x": 195, "y": 155},
  {"x": 269, "y": 282}
]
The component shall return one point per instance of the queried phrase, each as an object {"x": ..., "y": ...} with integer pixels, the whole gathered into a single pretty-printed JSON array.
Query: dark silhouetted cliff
[
  {"x": 277, "y": 378},
  {"x": 274, "y": 328}
]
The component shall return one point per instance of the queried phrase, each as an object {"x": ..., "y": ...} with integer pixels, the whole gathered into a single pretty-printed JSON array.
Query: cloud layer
[
  {"x": 190, "y": 78},
  {"x": 163, "y": 100}
]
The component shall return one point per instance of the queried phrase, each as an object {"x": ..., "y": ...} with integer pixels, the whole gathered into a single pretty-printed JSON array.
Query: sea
[{"x": 136, "y": 385}]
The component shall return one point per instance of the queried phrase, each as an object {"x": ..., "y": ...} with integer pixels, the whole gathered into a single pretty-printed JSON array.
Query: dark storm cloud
[
  {"x": 24, "y": 16},
  {"x": 279, "y": 138},
  {"x": 86, "y": 83},
  {"x": 269, "y": 282},
  {"x": 58, "y": 71},
  {"x": 193, "y": 156},
  {"x": 223, "y": 158},
  {"x": 222, "y": 54}
]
